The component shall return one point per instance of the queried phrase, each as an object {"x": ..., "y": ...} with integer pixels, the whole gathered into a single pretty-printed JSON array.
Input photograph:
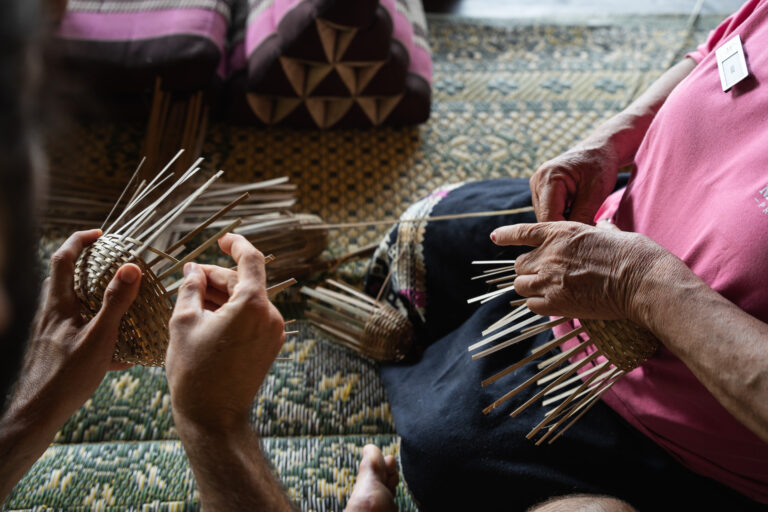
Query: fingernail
[
  {"x": 187, "y": 269},
  {"x": 493, "y": 236},
  {"x": 129, "y": 275}
]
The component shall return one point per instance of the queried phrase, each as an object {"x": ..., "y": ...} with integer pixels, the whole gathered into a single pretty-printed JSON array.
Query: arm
[
  {"x": 65, "y": 361},
  {"x": 225, "y": 333},
  {"x": 230, "y": 470},
  {"x": 726, "y": 348},
  {"x": 581, "y": 271},
  {"x": 583, "y": 176}
]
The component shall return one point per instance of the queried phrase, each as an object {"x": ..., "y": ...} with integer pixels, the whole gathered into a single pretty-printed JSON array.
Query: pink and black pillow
[
  {"x": 331, "y": 63},
  {"x": 123, "y": 45}
]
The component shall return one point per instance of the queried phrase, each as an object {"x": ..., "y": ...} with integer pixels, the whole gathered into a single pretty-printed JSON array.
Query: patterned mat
[{"x": 507, "y": 97}]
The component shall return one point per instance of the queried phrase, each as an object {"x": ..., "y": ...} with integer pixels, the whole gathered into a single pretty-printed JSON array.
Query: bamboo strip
[
  {"x": 202, "y": 247},
  {"x": 503, "y": 333},
  {"x": 274, "y": 290},
  {"x": 510, "y": 342},
  {"x": 537, "y": 352},
  {"x": 557, "y": 381},
  {"x": 423, "y": 219},
  {"x": 587, "y": 406}
]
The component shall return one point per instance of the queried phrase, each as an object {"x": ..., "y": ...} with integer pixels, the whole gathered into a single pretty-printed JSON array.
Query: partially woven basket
[
  {"x": 575, "y": 372},
  {"x": 366, "y": 325},
  {"x": 388, "y": 335},
  {"x": 624, "y": 343},
  {"x": 143, "y": 334}
]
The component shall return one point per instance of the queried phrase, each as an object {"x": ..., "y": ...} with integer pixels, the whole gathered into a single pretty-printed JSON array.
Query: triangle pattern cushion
[{"x": 349, "y": 62}]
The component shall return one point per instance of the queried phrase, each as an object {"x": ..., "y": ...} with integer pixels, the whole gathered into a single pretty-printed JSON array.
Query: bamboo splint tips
[
  {"x": 370, "y": 327},
  {"x": 575, "y": 372}
]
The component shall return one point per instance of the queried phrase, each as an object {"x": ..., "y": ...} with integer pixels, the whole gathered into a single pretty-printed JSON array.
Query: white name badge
[{"x": 731, "y": 63}]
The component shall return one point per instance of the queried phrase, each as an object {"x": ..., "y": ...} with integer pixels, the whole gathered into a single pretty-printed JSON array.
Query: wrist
[
  {"x": 666, "y": 283},
  {"x": 211, "y": 423},
  {"x": 22, "y": 442},
  {"x": 619, "y": 137}
]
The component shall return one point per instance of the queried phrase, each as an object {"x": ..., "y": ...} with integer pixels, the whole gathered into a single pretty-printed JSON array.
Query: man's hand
[
  {"x": 580, "y": 179},
  {"x": 581, "y": 271},
  {"x": 68, "y": 357},
  {"x": 65, "y": 361},
  {"x": 225, "y": 333}
]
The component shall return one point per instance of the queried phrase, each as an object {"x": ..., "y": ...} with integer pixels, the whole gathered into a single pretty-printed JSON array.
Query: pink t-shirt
[{"x": 700, "y": 189}]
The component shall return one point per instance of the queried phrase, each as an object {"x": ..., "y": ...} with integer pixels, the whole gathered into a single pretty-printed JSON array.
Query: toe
[
  {"x": 392, "y": 475},
  {"x": 373, "y": 462}
]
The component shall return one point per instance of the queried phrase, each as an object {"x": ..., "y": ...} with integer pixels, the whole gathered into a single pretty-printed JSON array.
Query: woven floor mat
[
  {"x": 318, "y": 474},
  {"x": 326, "y": 390}
]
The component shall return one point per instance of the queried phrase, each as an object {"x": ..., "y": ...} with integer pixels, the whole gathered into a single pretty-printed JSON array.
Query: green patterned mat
[
  {"x": 506, "y": 98},
  {"x": 317, "y": 472}
]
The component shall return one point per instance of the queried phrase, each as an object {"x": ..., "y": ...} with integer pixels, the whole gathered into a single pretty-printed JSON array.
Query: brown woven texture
[
  {"x": 388, "y": 335},
  {"x": 624, "y": 343},
  {"x": 143, "y": 334}
]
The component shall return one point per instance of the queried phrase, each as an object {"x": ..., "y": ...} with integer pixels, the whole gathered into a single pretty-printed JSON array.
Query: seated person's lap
[{"x": 456, "y": 457}]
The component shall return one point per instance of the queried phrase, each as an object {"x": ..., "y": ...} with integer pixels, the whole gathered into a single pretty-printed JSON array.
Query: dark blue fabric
[{"x": 456, "y": 458}]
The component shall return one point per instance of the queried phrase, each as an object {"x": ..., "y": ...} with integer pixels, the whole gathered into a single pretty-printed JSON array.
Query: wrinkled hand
[
  {"x": 225, "y": 333},
  {"x": 580, "y": 271},
  {"x": 580, "y": 178},
  {"x": 68, "y": 357}
]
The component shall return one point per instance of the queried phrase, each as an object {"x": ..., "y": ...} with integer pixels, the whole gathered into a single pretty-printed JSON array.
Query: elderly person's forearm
[
  {"x": 624, "y": 132},
  {"x": 725, "y": 347}
]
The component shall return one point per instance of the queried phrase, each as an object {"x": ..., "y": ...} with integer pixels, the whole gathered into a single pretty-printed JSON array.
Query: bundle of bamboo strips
[
  {"x": 176, "y": 120},
  {"x": 573, "y": 378}
]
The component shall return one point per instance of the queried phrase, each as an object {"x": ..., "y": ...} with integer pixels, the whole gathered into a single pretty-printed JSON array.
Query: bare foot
[{"x": 376, "y": 483}]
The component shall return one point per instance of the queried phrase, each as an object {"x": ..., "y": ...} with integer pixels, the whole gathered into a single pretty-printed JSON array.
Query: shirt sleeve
[{"x": 727, "y": 28}]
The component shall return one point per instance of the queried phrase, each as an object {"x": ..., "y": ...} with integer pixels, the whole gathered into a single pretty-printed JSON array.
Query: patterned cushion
[
  {"x": 324, "y": 63},
  {"x": 122, "y": 45}
]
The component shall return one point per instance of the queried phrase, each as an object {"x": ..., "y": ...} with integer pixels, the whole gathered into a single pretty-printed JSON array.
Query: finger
[
  {"x": 251, "y": 276},
  {"x": 191, "y": 299},
  {"x": 118, "y": 297},
  {"x": 62, "y": 287},
  {"x": 583, "y": 209},
  {"x": 550, "y": 201},
  {"x": 211, "y": 306},
  {"x": 214, "y": 296},
  {"x": 529, "y": 285},
  {"x": 540, "y": 306},
  {"x": 220, "y": 278},
  {"x": 522, "y": 234}
]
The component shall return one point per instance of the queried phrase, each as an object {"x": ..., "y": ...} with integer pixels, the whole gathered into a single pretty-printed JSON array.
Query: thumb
[
  {"x": 583, "y": 209},
  {"x": 118, "y": 297},
  {"x": 549, "y": 202}
]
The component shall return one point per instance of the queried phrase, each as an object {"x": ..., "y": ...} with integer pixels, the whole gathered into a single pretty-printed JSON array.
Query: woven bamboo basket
[
  {"x": 366, "y": 325},
  {"x": 143, "y": 335},
  {"x": 571, "y": 379}
]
